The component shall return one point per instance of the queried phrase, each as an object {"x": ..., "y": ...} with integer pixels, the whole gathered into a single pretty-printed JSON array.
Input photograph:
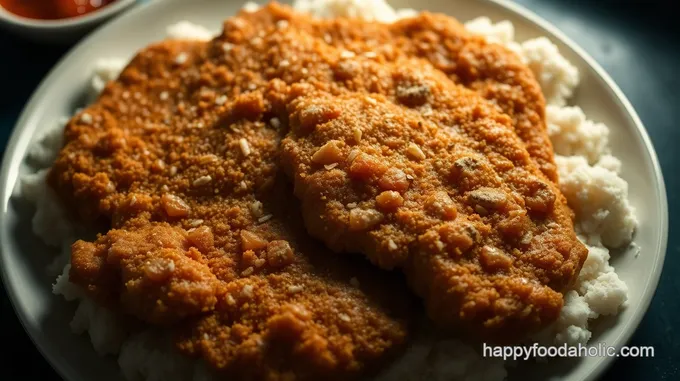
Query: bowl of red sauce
[{"x": 57, "y": 20}]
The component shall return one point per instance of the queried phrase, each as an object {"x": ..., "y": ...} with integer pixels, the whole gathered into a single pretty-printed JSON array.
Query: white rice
[
  {"x": 573, "y": 135},
  {"x": 589, "y": 179},
  {"x": 105, "y": 70},
  {"x": 599, "y": 197},
  {"x": 185, "y": 30},
  {"x": 374, "y": 10}
]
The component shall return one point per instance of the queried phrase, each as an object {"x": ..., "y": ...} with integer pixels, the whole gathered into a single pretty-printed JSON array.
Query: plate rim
[{"x": 27, "y": 114}]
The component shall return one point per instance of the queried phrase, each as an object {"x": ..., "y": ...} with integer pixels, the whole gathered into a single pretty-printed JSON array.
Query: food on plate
[
  {"x": 179, "y": 157},
  {"x": 190, "y": 161},
  {"x": 494, "y": 71}
]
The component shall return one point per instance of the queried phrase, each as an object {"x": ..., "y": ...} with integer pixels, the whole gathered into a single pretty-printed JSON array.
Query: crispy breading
[
  {"x": 517, "y": 259},
  {"x": 526, "y": 295},
  {"x": 179, "y": 157},
  {"x": 490, "y": 69},
  {"x": 482, "y": 236}
]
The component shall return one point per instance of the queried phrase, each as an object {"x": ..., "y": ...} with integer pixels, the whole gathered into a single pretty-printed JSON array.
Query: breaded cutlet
[{"x": 179, "y": 157}]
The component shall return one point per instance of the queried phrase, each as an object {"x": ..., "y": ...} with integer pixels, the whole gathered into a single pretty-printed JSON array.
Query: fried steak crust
[
  {"x": 490, "y": 69},
  {"x": 179, "y": 158}
]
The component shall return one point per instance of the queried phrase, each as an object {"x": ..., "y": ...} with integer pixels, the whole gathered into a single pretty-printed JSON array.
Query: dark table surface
[{"x": 635, "y": 41}]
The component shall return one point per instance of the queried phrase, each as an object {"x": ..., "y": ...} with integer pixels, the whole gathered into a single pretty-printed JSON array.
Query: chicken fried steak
[
  {"x": 531, "y": 229},
  {"x": 483, "y": 237},
  {"x": 492, "y": 70},
  {"x": 373, "y": 175},
  {"x": 179, "y": 157}
]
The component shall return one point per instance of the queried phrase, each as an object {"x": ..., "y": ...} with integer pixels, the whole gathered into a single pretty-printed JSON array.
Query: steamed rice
[{"x": 589, "y": 179}]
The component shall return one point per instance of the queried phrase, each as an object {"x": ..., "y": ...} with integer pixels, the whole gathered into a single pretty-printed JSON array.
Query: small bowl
[{"x": 62, "y": 30}]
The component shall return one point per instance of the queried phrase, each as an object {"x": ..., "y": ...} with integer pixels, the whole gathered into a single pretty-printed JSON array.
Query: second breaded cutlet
[
  {"x": 476, "y": 156},
  {"x": 482, "y": 236},
  {"x": 490, "y": 69}
]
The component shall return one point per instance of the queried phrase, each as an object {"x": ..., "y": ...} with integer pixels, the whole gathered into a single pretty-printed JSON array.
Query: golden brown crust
[
  {"x": 490, "y": 69},
  {"x": 185, "y": 146},
  {"x": 354, "y": 157},
  {"x": 179, "y": 157},
  {"x": 483, "y": 237}
]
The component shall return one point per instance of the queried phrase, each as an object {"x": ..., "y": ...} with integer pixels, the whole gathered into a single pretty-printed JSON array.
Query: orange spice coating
[
  {"x": 179, "y": 157},
  {"x": 482, "y": 236},
  {"x": 187, "y": 138},
  {"x": 490, "y": 69},
  {"x": 479, "y": 158}
]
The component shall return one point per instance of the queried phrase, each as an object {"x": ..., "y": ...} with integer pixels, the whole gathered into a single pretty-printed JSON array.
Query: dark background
[{"x": 637, "y": 42}]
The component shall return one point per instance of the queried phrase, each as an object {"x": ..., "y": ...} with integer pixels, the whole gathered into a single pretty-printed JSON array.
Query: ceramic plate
[{"x": 46, "y": 317}]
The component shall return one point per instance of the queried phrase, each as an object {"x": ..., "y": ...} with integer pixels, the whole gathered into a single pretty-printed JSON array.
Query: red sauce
[{"x": 52, "y": 9}]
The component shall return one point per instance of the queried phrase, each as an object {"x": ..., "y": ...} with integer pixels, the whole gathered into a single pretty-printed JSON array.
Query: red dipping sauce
[{"x": 52, "y": 9}]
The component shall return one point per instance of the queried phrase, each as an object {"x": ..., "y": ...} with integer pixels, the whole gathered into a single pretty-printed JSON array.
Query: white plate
[{"x": 46, "y": 318}]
